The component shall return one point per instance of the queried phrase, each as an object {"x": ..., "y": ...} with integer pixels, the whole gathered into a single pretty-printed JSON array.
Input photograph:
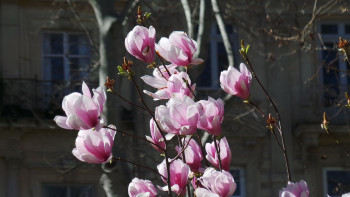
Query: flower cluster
[
  {"x": 93, "y": 143},
  {"x": 181, "y": 116}
]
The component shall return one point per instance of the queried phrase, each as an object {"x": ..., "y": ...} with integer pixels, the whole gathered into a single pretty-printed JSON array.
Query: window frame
[
  {"x": 68, "y": 187},
  {"x": 65, "y": 54},
  {"x": 215, "y": 40},
  {"x": 241, "y": 179},
  {"x": 344, "y": 83},
  {"x": 324, "y": 178}
]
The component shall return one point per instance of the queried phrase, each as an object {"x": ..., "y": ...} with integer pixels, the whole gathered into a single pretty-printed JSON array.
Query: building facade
[{"x": 47, "y": 49}]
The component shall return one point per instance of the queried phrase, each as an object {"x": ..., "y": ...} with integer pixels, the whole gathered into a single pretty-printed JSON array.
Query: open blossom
[
  {"x": 94, "y": 146},
  {"x": 236, "y": 82},
  {"x": 179, "y": 49},
  {"x": 82, "y": 110},
  {"x": 175, "y": 86},
  {"x": 160, "y": 76},
  {"x": 140, "y": 42},
  {"x": 216, "y": 184},
  {"x": 179, "y": 172},
  {"x": 193, "y": 153},
  {"x": 211, "y": 115},
  {"x": 225, "y": 154},
  {"x": 179, "y": 116},
  {"x": 298, "y": 189},
  {"x": 141, "y": 188},
  {"x": 156, "y": 136}
]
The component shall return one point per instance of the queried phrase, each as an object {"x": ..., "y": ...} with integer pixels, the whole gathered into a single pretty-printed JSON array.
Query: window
[
  {"x": 238, "y": 176},
  {"x": 217, "y": 57},
  {"x": 336, "y": 182},
  {"x": 66, "y": 57},
  {"x": 336, "y": 79},
  {"x": 52, "y": 190}
]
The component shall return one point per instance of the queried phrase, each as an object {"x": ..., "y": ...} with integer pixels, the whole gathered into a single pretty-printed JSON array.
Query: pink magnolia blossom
[
  {"x": 156, "y": 136},
  {"x": 211, "y": 115},
  {"x": 82, "y": 110},
  {"x": 215, "y": 182},
  {"x": 140, "y": 42},
  {"x": 179, "y": 49},
  {"x": 179, "y": 116},
  {"x": 193, "y": 153},
  {"x": 160, "y": 76},
  {"x": 175, "y": 86},
  {"x": 225, "y": 154},
  {"x": 141, "y": 188},
  {"x": 94, "y": 146},
  {"x": 298, "y": 189},
  {"x": 179, "y": 172},
  {"x": 201, "y": 192},
  {"x": 236, "y": 82}
]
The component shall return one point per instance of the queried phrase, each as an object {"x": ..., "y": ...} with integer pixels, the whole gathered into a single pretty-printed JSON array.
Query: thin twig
[
  {"x": 139, "y": 165},
  {"x": 217, "y": 151},
  {"x": 160, "y": 130},
  {"x": 134, "y": 136}
]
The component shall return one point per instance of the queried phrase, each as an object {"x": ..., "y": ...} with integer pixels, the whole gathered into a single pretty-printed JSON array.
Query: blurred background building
[{"x": 48, "y": 47}]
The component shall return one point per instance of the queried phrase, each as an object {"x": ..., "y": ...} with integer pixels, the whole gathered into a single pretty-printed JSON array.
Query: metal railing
[{"x": 22, "y": 98}]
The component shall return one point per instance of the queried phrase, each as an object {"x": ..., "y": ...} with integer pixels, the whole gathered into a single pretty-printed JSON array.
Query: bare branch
[
  {"x": 187, "y": 11},
  {"x": 223, "y": 32}
]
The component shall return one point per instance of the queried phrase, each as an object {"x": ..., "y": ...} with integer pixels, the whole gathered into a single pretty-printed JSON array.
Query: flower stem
[
  {"x": 277, "y": 113},
  {"x": 217, "y": 151},
  {"x": 161, "y": 131}
]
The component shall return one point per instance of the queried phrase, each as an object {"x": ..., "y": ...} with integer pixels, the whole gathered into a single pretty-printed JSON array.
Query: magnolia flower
[
  {"x": 179, "y": 49},
  {"x": 179, "y": 116},
  {"x": 156, "y": 136},
  {"x": 141, "y": 188},
  {"x": 201, "y": 192},
  {"x": 298, "y": 189},
  {"x": 175, "y": 86},
  {"x": 211, "y": 115},
  {"x": 140, "y": 42},
  {"x": 179, "y": 172},
  {"x": 225, "y": 154},
  {"x": 236, "y": 82},
  {"x": 82, "y": 110},
  {"x": 193, "y": 153},
  {"x": 215, "y": 182},
  {"x": 94, "y": 146},
  {"x": 160, "y": 76}
]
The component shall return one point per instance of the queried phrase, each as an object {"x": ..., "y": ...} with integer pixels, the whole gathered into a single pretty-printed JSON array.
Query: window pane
[
  {"x": 347, "y": 29},
  {"x": 56, "y": 67},
  {"x": 81, "y": 191},
  {"x": 338, "y": 182},
  {"x": 78, "y": 44},
  {"x": 78, "y": 68},
  {"x": 53, "y": 43},
  {"x": 329, "y": 29},
  {"x": 204, "y": 80},
  {"x": 237, "y": 177},
  {"x": 331, "y": 78},
  {"x": 55, "y": 191}
]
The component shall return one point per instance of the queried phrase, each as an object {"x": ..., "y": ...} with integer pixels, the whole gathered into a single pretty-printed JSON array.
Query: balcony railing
[{"x": 25, "y": 98}]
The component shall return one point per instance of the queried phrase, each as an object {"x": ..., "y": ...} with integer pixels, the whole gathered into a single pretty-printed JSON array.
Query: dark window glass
[
  {"x": 204, "y": 80},
  {"x": 237, "y": 177},
  {"x": 53, "y": 43},
  {"x": 338, "y": 182},
  {"x": 347, "y": 29},
  {"x": 329, "y": 29},
  {"x": 78, "y": 44},
  {"x": 55, "y": 191},
  {"x": 57, "y": 68},
  {"x": 331, "y": 79},
  {"x": 68, "y": 190}
]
